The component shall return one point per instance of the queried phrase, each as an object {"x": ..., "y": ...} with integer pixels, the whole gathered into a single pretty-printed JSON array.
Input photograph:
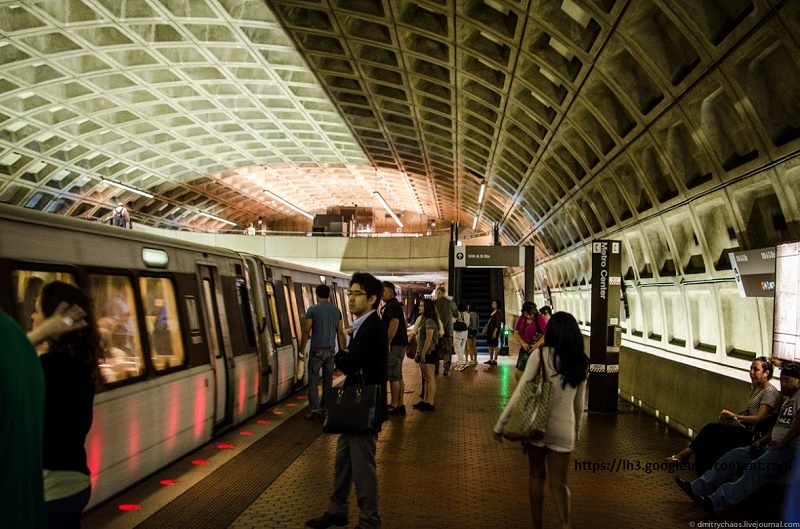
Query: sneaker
[
  {"x": 488, "y": 362},
  {"x": 315, "y": 414},
  {"x": 418, "y": 405},
  {"x": 391, "y": 410},
  {"x": 327, "y": 520},
  {"x": 473, "y": 362},
  {"x": 400, "y": 410}
]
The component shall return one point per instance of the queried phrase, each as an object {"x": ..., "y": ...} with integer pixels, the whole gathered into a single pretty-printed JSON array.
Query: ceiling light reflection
[
  {"x": 289, "y": 204},
  {"x": 387, "y": 208}
]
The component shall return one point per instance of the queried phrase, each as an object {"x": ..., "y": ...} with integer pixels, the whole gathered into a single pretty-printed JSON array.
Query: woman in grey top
[{"x": 734, "y": 429}]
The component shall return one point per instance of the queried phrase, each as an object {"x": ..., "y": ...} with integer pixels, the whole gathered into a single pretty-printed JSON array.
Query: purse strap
[{"x": 542, "y": 370}]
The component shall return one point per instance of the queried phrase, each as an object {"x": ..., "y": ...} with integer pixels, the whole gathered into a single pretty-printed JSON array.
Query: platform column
[{"x": 605, "y": 336}]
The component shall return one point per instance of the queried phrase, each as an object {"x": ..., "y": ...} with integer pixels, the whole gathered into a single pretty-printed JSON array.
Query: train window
[
  {"x": 28, "y": 286},
  {"x": 162, "y": 323},
  {"x": 346, "y": 307},
  {"x": 291, "y": 304},
  {"x": 273, "y": 312},
  {"x": 243, "y": 300},
  {"x": 115, "y": 310},
  {"x": 308, "y": 296},
  {"x": 194, "y": 319}
]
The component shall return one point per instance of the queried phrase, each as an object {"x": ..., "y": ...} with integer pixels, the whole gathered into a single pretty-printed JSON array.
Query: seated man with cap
[{"x": 767, "y": 458}]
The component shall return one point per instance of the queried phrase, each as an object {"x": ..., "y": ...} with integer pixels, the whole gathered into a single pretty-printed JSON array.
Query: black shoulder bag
[{"x": 352, "y": 409}]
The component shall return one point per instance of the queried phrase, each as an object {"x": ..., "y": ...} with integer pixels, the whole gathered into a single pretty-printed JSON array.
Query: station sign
[
  {"x": 605, "y": 337},
  {"x": 488, "y": 256},
  {"x": 754, "y": 271}
]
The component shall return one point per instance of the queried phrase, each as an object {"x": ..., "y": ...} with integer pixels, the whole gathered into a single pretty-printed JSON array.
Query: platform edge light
[{"x": 377, "y": 195}]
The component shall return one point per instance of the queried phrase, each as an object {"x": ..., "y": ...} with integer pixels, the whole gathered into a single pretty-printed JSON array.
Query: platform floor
[{"x": 440, "y": 469}]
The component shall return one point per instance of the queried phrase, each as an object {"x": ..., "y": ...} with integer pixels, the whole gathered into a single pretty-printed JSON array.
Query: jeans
[
  {"x": 319, "y": 358},
  {"x": 756, "y": 472}
]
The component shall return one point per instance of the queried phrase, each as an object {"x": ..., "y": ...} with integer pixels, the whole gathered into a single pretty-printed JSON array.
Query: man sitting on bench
[{"x": 767, "y": 458}]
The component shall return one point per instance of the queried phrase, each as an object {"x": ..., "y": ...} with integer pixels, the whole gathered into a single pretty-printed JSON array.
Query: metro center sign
[{"x": 488, "y": 256}]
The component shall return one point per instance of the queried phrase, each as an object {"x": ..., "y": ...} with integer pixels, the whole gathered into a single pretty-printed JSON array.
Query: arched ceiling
[{"x": 582, "y": 116}]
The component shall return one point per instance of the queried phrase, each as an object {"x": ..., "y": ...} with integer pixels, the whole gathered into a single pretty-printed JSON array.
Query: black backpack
[{"x": 460, "y": 325}]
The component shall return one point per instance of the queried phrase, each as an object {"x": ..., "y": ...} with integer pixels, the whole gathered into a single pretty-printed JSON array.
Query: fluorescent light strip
[
  {"x": 210, "y": 216},
  {"x": 475, "y": 223},
  {"x": 289, "y": 204},
  {"x": 128, "y": 188},
  {"x": 387, "y": 208},
  {"x": 483, "y": 192}
]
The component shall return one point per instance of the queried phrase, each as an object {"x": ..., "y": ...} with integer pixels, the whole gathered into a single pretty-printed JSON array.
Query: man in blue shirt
[{"x": 324, "y": 324}]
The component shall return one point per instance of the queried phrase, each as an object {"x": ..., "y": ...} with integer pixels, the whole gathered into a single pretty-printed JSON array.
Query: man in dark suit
[{"x": 367, "y": 354}]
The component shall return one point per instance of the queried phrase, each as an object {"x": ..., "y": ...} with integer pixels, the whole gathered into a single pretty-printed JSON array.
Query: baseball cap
[{"x": 791, "y": 370}]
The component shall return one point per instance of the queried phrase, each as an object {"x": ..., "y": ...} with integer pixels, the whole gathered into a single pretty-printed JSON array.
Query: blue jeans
[
  {"x": 756, "y": 472},
  {"x": 319, "y": 358}
]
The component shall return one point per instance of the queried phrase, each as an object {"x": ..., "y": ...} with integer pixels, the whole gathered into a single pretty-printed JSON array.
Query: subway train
[{"x": 195, "y": 339}]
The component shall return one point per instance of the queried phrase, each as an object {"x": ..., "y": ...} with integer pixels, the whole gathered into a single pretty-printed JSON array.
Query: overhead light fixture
[
  {"x": 127, "y": 188},
  {"x": 214, "y": 217},
  {"x": 387, "y": 208},
  {"x": 483, "y": 192},
  {"x": 475, "y": 223},
  {"x": 289, "y": 204}
]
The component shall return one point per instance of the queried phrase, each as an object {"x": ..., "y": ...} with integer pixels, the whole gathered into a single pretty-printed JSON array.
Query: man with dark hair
[
  {"x": 395, "y": 322},
  {"x": 324, "y": 323},
  {"x": 447, "y": 312},
  {"x": 366, "y": 357},
  {"x": 767, "y": 458}
]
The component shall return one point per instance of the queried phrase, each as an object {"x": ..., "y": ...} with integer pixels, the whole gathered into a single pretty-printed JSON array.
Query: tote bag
[
  {"x": 531, "y": 412},
  {"x": 351, "y": 409}
]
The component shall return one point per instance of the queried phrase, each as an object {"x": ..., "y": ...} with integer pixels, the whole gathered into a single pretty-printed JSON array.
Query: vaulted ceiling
[{"x": 581, "y": 116}]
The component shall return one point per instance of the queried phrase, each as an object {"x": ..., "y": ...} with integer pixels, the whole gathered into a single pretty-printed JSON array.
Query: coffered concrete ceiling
[{"x": 582, "y": 116}]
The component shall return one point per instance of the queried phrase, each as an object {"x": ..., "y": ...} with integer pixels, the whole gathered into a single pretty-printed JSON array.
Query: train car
[{"x": 195, "y": 339}]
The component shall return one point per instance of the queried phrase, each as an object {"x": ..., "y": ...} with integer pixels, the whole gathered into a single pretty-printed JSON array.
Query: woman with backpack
[{"x": 460, "y": 333}]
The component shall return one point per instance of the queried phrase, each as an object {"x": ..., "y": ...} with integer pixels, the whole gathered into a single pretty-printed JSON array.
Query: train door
[
  {"x": 267, "y": 327},
  {"x": 294, "y": 322},
  {"x": 283, "y": 338},
  {"x": 210, "y": 289}
]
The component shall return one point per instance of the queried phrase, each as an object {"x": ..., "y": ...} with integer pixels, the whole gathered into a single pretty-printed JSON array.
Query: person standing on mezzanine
[{"x": 325, "y": 325}]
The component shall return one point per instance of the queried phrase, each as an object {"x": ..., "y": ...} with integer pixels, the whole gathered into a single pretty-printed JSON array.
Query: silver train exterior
[{"x": 210, "y": 337}]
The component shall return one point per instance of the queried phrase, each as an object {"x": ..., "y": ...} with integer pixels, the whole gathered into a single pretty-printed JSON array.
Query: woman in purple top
[{"x": 529, "y": 332}]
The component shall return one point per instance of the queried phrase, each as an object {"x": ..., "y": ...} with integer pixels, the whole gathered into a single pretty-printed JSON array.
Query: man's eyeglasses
[{"x": 355, "y": 293}]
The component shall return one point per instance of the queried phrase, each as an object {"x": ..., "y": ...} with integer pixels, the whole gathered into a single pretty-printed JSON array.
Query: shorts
[
  {"x": 396, "y": 355},
  {"x": 492, "y": 342}
]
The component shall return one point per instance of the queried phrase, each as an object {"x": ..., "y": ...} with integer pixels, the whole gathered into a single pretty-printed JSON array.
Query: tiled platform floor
[{"x": 443, "y": 469}]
